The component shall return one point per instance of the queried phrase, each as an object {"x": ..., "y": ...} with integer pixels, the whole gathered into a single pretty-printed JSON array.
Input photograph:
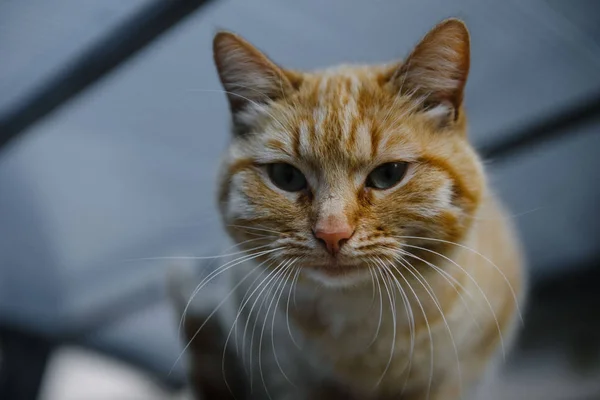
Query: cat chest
[{"x": 368, "y": 343}]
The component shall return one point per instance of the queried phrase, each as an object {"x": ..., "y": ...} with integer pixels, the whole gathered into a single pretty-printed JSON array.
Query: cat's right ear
[
  {"x": 248, "y": 76},
  {"x": 435, "y": 72}
]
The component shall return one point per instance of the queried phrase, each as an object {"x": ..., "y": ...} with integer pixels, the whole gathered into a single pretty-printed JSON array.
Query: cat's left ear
[
  {"x": 249, "y": 77},
  {"x": 435, "y": 72}
]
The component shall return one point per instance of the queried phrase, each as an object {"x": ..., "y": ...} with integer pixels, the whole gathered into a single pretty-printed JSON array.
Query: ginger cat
[{"x": 376, "y": 263}]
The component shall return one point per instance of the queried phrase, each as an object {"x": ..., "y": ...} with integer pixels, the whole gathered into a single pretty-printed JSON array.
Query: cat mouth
[
  {"x": 337, "y": 275},
  {"x": 335, "y": 268}
]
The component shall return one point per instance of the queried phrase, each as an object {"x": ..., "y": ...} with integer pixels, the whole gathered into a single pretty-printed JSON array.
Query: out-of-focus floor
[{"x": 76, "y": 374}]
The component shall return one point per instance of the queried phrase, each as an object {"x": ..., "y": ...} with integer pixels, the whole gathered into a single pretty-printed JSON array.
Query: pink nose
[{"x": 334, "y": 238}]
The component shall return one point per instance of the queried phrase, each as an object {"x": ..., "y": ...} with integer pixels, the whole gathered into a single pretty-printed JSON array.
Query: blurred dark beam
[
  {"x": 543, "y": 130},
  {"x": 24, "y": 361},
  {"x": 94, "y": 63}
]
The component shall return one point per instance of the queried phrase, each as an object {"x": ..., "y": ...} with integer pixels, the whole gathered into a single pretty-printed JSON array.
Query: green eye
[
  {"x": 286, "y": 177},
  {"x": 387, "y": 175}
]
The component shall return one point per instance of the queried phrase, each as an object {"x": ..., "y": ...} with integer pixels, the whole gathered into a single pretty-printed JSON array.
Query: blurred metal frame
[
  {"x": 543, "y": 130},
  {"x": 24, "y": 360},
  {"x": 94, "y": 63},
  {"x": 25, "y": 354}
]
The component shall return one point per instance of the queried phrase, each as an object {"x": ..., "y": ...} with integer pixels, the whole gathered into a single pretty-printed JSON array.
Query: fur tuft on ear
[
  {"x": 436, "y": 70},
  {"x": 248, "y": 76}
]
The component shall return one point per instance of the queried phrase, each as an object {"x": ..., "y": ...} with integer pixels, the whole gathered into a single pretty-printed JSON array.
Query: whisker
[
  {"x": 411, "y": 322},
  {"x": 276, "y": 285},
  {"x": 474, "y": 281},
  {"x": 246, "y": 241},
  {"x": 447, "y": 277},
  {"x": 426, "y": 324},
  {"x": 267, "y": 279},
  {"x": 393, "y": 313},
  {"x": 264, "y": 227},
  {"x": 266, "y": 97},
  {"x": 217, "y": 272},
  {"x": 393, "y": 304},
  {"x": 245, "y": 300},
  {"x": 210, "y": 316},
  {"x": 268, "y": 286},
  {"x": 451, "y": 280},
  {"x": 260, "y": 236},
  {"x": 230, "y": 264},
  {"x": 243, "y": 303},
  {"x": 429, "y": 290},
  {"x": 252, "y": 228},
  {"x": 380, "y": 309},
  {"x": 290, "y": 273},
  {"x": 514, "y": 294},
  {"x": 128, "y": 260},
  {"x": 372, "y": 283},
  {"x": 287, "y": 308},
  {"x": 211, "y": 262},
  {"x": 506, "y": 217}
]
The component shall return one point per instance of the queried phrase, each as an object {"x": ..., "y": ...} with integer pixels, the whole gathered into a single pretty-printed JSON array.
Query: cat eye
[
  {"x": 286, "y": 177},
  {"x": 387, "y": 175}
]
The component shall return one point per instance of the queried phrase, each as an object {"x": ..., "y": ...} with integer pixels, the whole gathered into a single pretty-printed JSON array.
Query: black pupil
[
  {"x": 287, "y": 174},
  {"x": 387, "y": 175},
  {"x": 286, "y": 177}
]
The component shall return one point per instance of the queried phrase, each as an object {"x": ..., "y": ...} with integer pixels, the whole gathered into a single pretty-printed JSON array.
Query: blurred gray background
[{"x": 127, "y": 169}]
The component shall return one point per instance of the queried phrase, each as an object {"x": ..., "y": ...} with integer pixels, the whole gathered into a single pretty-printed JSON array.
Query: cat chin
[{"x": 338, "y": 280}]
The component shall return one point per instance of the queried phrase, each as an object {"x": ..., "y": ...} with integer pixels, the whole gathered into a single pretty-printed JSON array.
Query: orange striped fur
[{"x": 423, "y": 295}]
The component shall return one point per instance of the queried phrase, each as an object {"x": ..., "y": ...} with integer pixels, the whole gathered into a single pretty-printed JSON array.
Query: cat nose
[{"x": 333, "y": 237}]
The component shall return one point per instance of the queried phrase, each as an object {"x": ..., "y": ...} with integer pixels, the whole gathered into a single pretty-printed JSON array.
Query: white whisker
[
  {"x": 290, "y": 273},
  {"x": 127, "y": 260},
  {"x": 217, "y": 272},
  {"x": 234, "y": 323},
  {"x": 451, "y": 280},
  {"x": 376, "y": 278},
  {"x": 474, "y": 281},
  {"x": 280, "y": 279},
  {"x": 209, "y": 317},
  {"x": 427, "y": 325},
  {"x": 393, "y": 314},
  {"x": 264, "y": 284},
  {"x": 252, "y": 228},
  {"x": 514, "y": 294},
  {"x": 287, "y": 308},
  {"x": 411, "y": 321},
  {"x": 429, "y": 290}
]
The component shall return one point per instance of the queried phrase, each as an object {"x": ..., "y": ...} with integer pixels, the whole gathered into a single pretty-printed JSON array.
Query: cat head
[{"x": 348, "y": 169}]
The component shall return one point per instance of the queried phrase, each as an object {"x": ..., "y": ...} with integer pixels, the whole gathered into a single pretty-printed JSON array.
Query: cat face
[{"x": 340, "y": 170}]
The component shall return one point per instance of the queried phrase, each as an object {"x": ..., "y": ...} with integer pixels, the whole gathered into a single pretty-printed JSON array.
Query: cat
[{"x": 375, "y": 262}]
